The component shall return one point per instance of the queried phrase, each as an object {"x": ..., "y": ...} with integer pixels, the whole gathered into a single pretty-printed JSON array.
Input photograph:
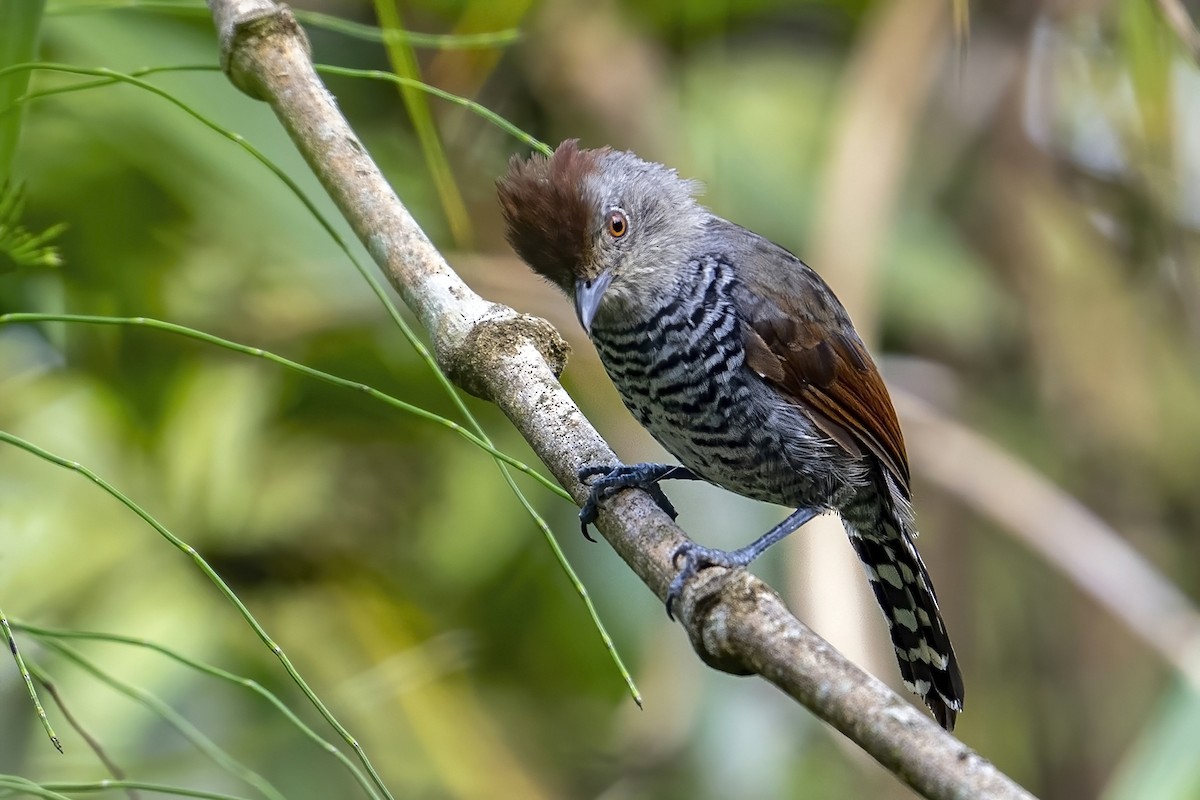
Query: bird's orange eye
[{"x": 618, "y": 223}]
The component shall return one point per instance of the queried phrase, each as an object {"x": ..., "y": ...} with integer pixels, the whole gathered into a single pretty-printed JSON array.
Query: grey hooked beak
[{"x": 587, "y": 297}]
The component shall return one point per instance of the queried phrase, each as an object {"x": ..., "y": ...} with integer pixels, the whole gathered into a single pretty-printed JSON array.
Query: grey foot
[
  {"x": 608, "y": 480},
  {"x": 697, "y": 557}
]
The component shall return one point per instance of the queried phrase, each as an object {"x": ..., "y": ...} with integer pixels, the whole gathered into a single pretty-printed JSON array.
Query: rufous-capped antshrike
[{"x": 743, "y": 364}]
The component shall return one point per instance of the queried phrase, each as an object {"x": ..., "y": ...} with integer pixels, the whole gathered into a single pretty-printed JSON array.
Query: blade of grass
[
  {"x": 404, "y": 64},
  {"x": 19, "y": 26},
  {"x": 20, "y": 247}
]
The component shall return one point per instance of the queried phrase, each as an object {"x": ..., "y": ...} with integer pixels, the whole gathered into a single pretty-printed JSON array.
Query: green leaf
[
  {"x": 19, "y": 26},
  {"x": 20, "y": 247}
]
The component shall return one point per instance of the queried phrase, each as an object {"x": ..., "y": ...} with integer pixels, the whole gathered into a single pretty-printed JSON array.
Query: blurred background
[{"x": 1006, "y": 195}]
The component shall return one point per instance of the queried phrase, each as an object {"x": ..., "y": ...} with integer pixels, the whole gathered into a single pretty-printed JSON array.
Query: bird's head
[{"x": 609, "y": 229}]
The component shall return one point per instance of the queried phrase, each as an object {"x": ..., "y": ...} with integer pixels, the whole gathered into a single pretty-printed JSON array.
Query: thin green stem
[
  {"x": 174, "y": 719},
  {"x": 223, "y": 587},
  {"x": 480, "y": 441},
  {"x": 23, "y": 787},
  {"x": 161, "y": 788},
  {"x": 357, "y": 30},
  {"x": 294, "y": 366},
  {"x": 377, "y": 288},
  {"x": 207, "y": 669},
  {"x": 471, "y": 105},
  {"x": 37, "y": 704},
  {"x": 404, "y": 62},
  {"x": 51, "y": 689}
]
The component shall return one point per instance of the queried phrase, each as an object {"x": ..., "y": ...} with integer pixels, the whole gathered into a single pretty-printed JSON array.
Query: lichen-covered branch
[{"x": 735, "y": 622}]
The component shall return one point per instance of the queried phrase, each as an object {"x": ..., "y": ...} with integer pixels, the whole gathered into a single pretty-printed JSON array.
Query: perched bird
[{"x": 741, "y": 362}]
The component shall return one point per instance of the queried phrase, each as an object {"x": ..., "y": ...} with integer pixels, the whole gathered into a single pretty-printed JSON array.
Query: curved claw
[
  {"x": 660, "y": 499},
  {"x": 608, "y": 479},
  {"x": 675, "y": 590},
  {"x": 591, "y": 508},
  {"x": 695, "y": 558},
  {"x": 587, "y": 515},
  {"x": 698, "y": 557}
]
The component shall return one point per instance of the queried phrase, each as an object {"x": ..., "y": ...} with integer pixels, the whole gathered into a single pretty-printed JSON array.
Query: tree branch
[{"x": 735, "y": 622}]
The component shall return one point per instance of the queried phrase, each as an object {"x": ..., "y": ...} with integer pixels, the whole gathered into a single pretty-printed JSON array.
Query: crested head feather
[
  {"x": 551, "y": 220},
  {"x": 556, "y": 211}
]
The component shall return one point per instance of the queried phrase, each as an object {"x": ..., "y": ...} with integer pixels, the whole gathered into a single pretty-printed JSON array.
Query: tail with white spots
[{"x": 905, "y": 593}]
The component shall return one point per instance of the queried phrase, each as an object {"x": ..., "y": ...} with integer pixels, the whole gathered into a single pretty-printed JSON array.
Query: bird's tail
[{"x": 882, "y": 535}]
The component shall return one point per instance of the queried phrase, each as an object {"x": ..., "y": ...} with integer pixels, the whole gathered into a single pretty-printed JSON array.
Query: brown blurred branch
[
  {"x": 880, "y": 97},
  {"x": 735, "y": 622},
  {"x": 1181, "y": 23},
  {"x": 1058, "y": 528}
]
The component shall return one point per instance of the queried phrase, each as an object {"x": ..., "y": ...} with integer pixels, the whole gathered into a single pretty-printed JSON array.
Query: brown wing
[{"x": 805, "y": 347}]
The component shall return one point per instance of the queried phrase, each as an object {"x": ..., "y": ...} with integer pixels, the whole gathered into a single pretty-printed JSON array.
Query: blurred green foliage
[{"x": 1022, "y": 237}]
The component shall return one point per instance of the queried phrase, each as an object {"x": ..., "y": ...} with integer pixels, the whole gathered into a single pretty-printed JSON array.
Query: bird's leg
[
  {"x": 632, "y": 476},
  {"x": 697, "y": 557}
]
